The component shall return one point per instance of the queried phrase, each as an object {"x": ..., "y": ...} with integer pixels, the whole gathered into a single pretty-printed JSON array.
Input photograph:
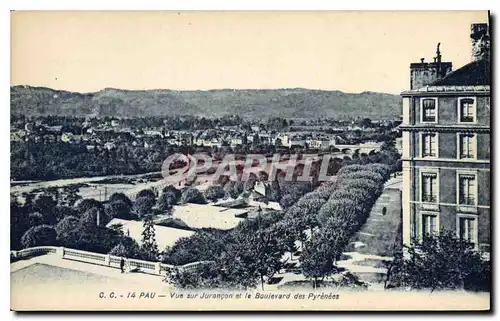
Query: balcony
[
  {"x": 467, "y": 119},
  {"x": 429, "y": 119},
  {"x": 467, "y": 200},
  {"x": 429, "y": 202},
  {"x": 429, "y": 198},
  {"x": 467, "y": 204}
]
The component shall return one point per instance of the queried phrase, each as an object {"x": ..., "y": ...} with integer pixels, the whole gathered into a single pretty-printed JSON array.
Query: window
[
  {"x": 429, "y": 187},
  {"x": 429, "y": 224},
  {"x": 429, "y": 110},
  {"x": 467, "y": 146},
  {"x": 467, "y": 189},
  {"x": 429, "y": 145},
  {"x": 467, "y": 229},
  {"x": 467, "y": 110}
]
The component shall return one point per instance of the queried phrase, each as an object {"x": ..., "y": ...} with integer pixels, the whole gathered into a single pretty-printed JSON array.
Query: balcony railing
[
  {"x": 467, "y": 119},
  {"x": 466, "y": 155},
  {"x": 429, "y": 118},
  {"x": 429, "y": 198},
  {"x": 467, "y": 200}
]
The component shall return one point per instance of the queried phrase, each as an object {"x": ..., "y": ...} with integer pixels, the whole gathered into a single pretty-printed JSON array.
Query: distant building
[
  {"x": 318, "y": 143},
  {"x": 446, "y": 147},
  {"x": 164, "y": 236}
]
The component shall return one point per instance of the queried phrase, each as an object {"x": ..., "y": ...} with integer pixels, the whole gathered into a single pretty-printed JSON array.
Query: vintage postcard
[{"x": 239, "y": 160}]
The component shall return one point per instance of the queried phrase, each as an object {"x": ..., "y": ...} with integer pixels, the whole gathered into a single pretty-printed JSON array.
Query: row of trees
[
  {"x": 340, "y": 216},
  {"x": 254, "y": 250}
]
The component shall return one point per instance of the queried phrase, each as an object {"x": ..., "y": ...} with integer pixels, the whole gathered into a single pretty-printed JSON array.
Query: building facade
[{"x": 446, "y": 147}]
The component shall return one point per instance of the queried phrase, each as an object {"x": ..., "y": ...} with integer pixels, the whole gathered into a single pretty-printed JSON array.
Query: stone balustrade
[{"x": 156, "y": 268}]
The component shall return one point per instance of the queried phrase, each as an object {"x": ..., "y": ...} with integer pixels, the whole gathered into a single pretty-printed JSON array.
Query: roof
[
  {"x": 205, "y": 216},
  {"x": 165, "y": 236},
  {"x": 472, "y": 78},
  {"x": 472, "y": 74}
]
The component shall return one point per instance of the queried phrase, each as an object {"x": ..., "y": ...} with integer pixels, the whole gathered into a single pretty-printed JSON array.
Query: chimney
[
  {"x": 423, "y": 73},
  {"x": 480, "y": 39}
]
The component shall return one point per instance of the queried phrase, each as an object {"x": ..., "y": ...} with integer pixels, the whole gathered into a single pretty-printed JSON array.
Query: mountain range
[{"x": 247, "y": 103}]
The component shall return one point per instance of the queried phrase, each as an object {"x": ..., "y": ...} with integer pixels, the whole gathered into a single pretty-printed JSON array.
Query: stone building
[{"x": 446, "y": 147}]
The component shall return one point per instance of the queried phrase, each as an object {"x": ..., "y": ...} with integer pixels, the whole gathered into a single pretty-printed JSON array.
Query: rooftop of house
[
  {"x": 165, "y": 236},
  {"x": 473, "y": 74},
  {"x": 473, "y": 77},
  {"x": 205, "y": 216}
]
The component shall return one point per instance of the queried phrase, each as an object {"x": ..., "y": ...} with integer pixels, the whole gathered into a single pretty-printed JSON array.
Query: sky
[{"x": 350, "y": 51}]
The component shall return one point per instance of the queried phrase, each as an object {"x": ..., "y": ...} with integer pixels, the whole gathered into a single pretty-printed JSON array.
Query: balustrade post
[
  {"x": 158, "y": 268},
  {"x": 60, "y": 252},
  {"x": 107, "y": 260}
]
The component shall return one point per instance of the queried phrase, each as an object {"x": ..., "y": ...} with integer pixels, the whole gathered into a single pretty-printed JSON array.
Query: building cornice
[
  {"x": 446, "y": 128},
  {"x": 447, "y": 90},
  {"x": 447, "y": 160}
]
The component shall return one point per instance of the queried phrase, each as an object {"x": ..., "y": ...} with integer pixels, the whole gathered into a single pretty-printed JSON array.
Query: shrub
[
  {"x": 192, "y": 195},
  {"x": 120, "y": 197},
  {"x": 143, "y": 206},
  {"x": 214, "y": 192},
  {"x": 41, "y": 235},
  {"x": 174, "y": 192},
  {"x": 146, "y": 193}
]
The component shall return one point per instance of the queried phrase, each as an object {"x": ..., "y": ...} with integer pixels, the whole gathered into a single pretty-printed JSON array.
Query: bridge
[{"x": 361, "y": 148}]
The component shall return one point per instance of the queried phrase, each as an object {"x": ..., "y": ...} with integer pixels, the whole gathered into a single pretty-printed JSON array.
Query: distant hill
[{"x": 288, "y": 103}]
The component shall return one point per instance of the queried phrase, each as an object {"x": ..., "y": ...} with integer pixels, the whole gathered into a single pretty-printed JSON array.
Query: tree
[
  {"x": 176, "y": 194},
  {"x": 149, "y": 247},
  {"x": 143, "y": 206},
  {"x": 306, "y": 210},
  {"x": 95, "y": 217},
  {"x": 249, "y": 184},
  {"x": 206, "y": 276},
  {"x": 192, "y": 195},
  {"x": 126, "y": 248},
  {"x": 166, "y": 201},
  {"x": 317, "y": 260},
  {"x": 239, "y": 187},
  {"x": 61, "y": 211},
  {"x": 118, "y": 209},
  {"x": 430, "y": 265},
  {"x": 120, "y": 197},
  {"x": 230, "y": 190},
  {"x": 41, "y": 235},
  {"x": 274, "y": 192},
  {"x": 91, "y": 238},
  {"x": 286, "y": 201},
  {"x": 146, "y": 193},
  {"x": 255, "y": 254},
  {"x": 288, "y": 231},
  {"x": 35, "y": 219},
  {"x": 365, "y": 123},
  {"x": 204, "y": 245},
  {"x": 65, "y": 226},
  {"x": 214, "y": 192},
  {"x": 86, "y": 204},
  {"x": 18, "y": 223},
  {"x": 45, "y": 204}
]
